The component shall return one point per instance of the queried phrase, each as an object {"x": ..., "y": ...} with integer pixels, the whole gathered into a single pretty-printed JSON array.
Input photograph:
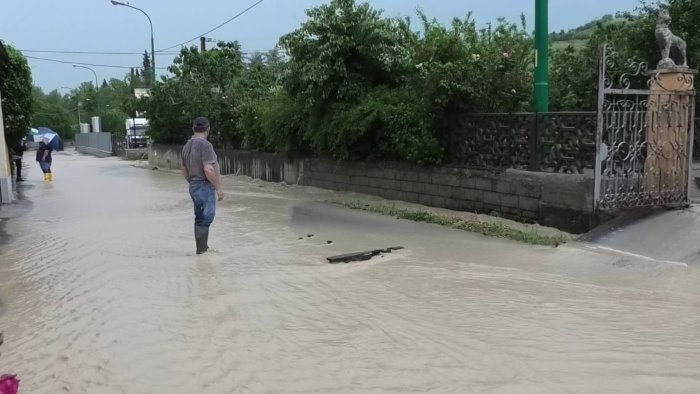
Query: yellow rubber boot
[
  {"x": 50, "y": 176},
  {"x": 46, "y": 177}
]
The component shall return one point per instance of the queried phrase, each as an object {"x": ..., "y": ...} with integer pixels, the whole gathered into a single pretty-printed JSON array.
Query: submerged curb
[{"x": 491, "y": 228}]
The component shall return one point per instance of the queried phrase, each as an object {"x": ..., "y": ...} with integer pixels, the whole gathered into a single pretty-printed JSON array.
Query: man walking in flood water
[{"x": 201, "y": 169}]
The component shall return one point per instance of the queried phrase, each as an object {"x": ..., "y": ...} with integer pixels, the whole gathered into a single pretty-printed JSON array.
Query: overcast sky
[{"x": 97, "y": 25}]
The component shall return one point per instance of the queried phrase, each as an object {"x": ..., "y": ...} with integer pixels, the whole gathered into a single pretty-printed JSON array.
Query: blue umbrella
[{"x": 54, "y": 141}]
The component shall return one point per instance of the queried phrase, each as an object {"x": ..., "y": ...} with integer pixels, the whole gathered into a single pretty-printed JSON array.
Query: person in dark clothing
[
  {"x": 18, "y": 152},
  {"x": 43, "y": 156}
]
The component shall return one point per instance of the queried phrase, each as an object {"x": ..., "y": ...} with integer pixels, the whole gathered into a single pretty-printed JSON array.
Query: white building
[{"x": 6, "y": 193}]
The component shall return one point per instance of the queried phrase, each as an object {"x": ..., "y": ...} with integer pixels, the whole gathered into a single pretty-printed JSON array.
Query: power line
[
  {"x": 169, "y": 53},
  {"x": 244, "y": 53},
  {"x": 216, "y": 28},
  {"x": 86, "y": 64},
  {"x": 92, "y": 52}
]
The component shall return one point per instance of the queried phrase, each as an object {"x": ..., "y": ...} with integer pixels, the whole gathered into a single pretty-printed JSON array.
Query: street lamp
[
  {"x": 97, "y": 86},
  {"x": 153, "y": 49}
]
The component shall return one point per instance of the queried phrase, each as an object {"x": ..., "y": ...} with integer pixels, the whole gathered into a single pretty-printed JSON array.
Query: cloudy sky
[{"x": 99, "y": 26}]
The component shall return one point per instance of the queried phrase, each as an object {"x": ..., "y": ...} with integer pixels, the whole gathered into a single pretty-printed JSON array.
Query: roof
[{"x": 4, "y": 57}]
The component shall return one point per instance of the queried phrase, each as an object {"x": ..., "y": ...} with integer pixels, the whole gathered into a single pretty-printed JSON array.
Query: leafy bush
[
  {"x": 350, "y": 83},
  {"x": 17, "y": 101}
]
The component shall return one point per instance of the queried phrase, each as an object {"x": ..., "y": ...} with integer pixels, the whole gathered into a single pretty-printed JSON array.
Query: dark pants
[
  {"x": 18, "y": 166},
  {"x": 204, "y": 199},
  {"x": 45, "y": 167}
]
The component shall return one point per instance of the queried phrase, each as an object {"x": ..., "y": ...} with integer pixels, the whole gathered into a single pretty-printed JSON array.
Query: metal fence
[
  {"x": 118, "y": 145},
  {"x": 271, "y": 167},
  {"x": 97, "y": 142},
  {"x": 552, "y": 142},
  {"x": 547, "y": 142}
]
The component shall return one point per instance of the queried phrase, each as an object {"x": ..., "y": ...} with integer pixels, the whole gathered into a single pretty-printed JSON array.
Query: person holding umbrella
[
  {"x": 50, "y": 141},
  {"x": 43, "y": 156}
]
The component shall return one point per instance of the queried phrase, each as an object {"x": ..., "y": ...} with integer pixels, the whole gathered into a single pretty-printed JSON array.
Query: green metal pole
[{"x": 541, "y": 56}]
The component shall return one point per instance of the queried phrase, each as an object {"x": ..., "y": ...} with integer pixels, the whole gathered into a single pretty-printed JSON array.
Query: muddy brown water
[{"x": 102, "y": 294}]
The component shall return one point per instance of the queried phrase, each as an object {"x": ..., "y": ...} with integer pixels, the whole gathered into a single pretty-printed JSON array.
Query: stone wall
[
  {"x": 564, "y": 201},
  {"x": 165, "y": 156}
]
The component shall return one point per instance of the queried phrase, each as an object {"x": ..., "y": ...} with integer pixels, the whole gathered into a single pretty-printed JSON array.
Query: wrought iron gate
[{"x": 644, "y": 138}]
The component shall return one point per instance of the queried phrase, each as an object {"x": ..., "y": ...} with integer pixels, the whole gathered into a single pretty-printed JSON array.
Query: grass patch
[
  {"x": 576, "y": 44},
  {"x": 489, "y": 228}
]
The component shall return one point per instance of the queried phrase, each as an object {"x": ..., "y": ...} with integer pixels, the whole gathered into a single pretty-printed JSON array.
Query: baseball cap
[{"x": 201, "y": 123}]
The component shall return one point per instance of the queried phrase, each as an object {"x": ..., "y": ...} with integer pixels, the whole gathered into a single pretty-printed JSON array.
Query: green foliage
[
  {"x": 282, "y": 123},
  {"x": 350, "y": 83},
  {"x": 574, "y": 72},
  {"x": 345, "y": 63},
  {"x": 111, "y": 109},
  {"x": 204, "y": 84},
  {"x": 342, "y": 50},
  {"x": 147, "y": 73},
  {"x": 584, "y": 32},
  {"x": 16, "y": 90},
  {"x": 113, "y": 102},
  {"x": 51, "y": 110},
  {"x": 573, "y": 80},
  {"x": 259, "y": 89},
  {"x": 463, "y": 70},
  {"x": 370, "y": 87}
]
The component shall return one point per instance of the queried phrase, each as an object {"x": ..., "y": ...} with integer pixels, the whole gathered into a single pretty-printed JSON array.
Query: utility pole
[
  {"x": 541, "y": 98},
  {"x": 203, "y": 43}
]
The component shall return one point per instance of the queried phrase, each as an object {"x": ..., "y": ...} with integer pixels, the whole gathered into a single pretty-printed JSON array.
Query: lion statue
[{"x": 666, "y": 39}]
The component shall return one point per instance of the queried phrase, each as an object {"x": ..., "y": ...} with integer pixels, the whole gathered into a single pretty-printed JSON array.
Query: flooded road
[{"x": 100, "y": 292}]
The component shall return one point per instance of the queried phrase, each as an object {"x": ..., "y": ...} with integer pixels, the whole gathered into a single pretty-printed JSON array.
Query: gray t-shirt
[{"x": 196, "y": 153}]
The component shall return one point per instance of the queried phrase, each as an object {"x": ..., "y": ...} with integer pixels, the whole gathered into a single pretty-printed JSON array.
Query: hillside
[{"x": 578, "y": 37}]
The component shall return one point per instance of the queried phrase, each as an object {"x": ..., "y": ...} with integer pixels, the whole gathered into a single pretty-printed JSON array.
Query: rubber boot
[
  {"x": 46, "y": 177},
  {"x": 201, "y": 238},
  {"x": 50, "y": 175}
]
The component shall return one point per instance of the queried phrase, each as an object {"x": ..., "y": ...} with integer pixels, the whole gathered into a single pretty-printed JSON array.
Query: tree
[
  {"x": 203, "y": 84},
  {"x": 53, "y": 111},
  {"x": 16, "y": 89},
  {"x": 262, "y": 80},
  {"x": 342, "y": 60},
  {"x": 350, "y": 83},
  {"x": 113, "y": 100},
  {"x": 342, "y": 49},
  {"x": 147, "y": 74},
  {"x": 574, "y": 72}
]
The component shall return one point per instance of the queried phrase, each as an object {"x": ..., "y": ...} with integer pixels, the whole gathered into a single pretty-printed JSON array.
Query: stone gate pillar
[{"x": 669, "y": 131}]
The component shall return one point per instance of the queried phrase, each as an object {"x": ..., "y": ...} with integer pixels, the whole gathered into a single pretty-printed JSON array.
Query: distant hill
[{"x": 579, "y": 36}]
